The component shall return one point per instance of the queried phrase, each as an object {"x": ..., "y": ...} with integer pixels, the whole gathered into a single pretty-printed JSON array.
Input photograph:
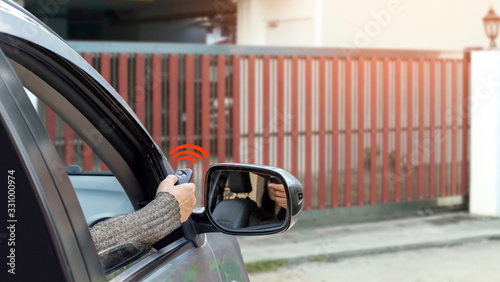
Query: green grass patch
[
  {"x": 267, "y": 265},
  {"x": 317, "y": 258}
]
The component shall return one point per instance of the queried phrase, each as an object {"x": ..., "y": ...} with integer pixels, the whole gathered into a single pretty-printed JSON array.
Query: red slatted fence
[{"x": 355, "y": 130}]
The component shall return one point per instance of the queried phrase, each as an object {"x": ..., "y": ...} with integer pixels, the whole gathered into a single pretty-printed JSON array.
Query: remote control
[{"x": 184, "y": 175}]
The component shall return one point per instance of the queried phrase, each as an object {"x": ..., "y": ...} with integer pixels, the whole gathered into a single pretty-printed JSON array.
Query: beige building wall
[
  {"x": 278, "y": 22},
  {"x": 399, "y": 24}
]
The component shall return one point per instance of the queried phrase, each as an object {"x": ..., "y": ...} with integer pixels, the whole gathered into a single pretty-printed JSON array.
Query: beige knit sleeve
[{"x": 147, "y": 225}]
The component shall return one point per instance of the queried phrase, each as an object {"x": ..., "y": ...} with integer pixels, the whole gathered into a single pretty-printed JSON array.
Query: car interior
[
  {"x": 240, "y": 201},
  {"x": 235, "y": 212}
]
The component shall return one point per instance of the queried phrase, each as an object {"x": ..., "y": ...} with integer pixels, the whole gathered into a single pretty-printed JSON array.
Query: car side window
[
  {"x": 99, "y": 193},
  {"x": 71, "y": 148}
]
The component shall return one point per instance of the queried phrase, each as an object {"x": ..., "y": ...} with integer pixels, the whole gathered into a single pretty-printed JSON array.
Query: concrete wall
[
  {"x": 277, "y": 22},
  {"x": 400, "y": 24},
  {"x": 485, "y": 133}
]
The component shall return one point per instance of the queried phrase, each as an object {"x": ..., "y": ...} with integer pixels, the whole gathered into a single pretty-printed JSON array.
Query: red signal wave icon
[{"x": 188, "y": 155}]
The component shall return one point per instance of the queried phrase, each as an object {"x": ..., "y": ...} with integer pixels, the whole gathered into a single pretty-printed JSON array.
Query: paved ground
[
  {"x": 470, "y": 262},
  {"x": 335, "y": 242}
]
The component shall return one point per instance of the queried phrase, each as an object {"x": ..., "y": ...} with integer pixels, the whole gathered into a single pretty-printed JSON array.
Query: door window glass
[
  {"x": 70, "y": 147},
  {"x": 84, "y": 166}
]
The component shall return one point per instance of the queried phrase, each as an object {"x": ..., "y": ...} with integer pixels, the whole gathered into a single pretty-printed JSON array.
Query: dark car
[{"x": 48, "y": 203}]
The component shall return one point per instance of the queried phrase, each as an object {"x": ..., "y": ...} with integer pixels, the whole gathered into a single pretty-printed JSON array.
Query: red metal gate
[{"x": 379, "y": 126}]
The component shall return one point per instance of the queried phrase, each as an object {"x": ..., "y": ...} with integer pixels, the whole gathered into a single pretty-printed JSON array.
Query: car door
[
  {"x": 38, "y": 238},
  {"x": 85, "y": 102}
]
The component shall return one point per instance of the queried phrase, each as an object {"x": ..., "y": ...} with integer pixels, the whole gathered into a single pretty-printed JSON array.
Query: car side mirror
[{"x": 243, "y": 199}]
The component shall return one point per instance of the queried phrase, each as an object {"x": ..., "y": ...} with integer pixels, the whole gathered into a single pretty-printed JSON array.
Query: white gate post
[{"x": 485, "y": 133}]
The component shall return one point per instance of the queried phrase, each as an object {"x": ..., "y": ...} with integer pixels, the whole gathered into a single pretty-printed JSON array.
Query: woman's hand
[
  {"x": 184, "y": 194},
  {"x": 277, "y": 194}
]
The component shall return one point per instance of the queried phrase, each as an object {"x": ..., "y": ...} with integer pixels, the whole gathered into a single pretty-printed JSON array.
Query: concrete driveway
[{"x": 469, "y": 262}]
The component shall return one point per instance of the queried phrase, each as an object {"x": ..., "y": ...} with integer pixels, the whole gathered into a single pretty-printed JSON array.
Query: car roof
[{"x": 16, "y": 21}]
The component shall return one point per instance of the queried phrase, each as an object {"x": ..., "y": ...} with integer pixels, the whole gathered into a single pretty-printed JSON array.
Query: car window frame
[
  {"x": 43, "y": 163},
  {"x": 83, "y": 124},
  {"x": 157, "y": 162}
]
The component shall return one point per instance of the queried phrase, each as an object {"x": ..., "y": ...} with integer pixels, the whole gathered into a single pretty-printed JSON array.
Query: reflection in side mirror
[
  {"x": 248, "y": 199},
  {"x": 252, "y": 199}
]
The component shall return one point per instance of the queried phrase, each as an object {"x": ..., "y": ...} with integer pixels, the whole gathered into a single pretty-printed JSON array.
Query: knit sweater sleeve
[{"x": 147, "y": 225}]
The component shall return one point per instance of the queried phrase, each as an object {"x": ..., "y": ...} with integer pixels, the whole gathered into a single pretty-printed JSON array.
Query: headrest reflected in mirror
[{"x": 247, "y": 200}]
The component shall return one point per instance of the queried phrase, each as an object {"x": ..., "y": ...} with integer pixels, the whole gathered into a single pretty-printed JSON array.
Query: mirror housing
[{"x": 292, "y": 187}]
